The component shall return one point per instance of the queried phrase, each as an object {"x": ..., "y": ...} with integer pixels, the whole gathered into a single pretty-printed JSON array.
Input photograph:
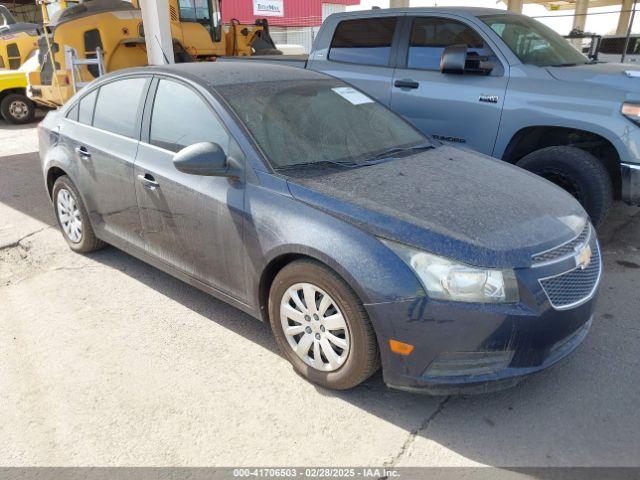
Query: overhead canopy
[{"x": 571, "y": 4}]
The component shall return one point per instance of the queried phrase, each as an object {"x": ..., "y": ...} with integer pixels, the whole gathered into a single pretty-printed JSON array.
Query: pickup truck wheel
[
  {"x": 17, "y": 108},
  {"x": 579, "y": 173},
  {"x": 321, "y": 326}
]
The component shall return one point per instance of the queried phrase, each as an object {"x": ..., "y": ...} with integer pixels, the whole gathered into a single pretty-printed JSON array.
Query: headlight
[
  {"x": 445, "y": 279},
  {"x": 631, "y": 111}
]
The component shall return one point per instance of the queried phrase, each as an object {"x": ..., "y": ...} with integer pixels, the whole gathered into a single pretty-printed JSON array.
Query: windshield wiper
[
  {"x": 303, "y": 165},
  {"x": 565, "y": 65},
  {"x": 390, "y": 153}
]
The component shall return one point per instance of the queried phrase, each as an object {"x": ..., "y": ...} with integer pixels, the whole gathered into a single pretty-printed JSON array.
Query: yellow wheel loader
[
  {"x": 17, "y": 40},
  {"x": 110, "y": 35}
]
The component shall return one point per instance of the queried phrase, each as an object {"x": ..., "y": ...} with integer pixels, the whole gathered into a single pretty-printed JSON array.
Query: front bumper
[
  {"x": 630, "y": 183},
  {"x": 472, "y": 348}
]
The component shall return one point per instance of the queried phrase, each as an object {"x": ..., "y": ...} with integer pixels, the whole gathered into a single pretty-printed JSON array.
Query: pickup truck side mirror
[
  {"x": 453, "y": 59},
  {"x": 206, "y": 159},
  {"x": 456, "y": 60}
]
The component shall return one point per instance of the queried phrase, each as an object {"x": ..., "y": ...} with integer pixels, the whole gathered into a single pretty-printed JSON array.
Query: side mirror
[
  {"x": 205, "y": 159},
  {"x": 453, "y": 59}
]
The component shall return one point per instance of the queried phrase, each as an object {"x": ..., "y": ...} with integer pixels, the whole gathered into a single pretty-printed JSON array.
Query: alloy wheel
[
  {"x": 314, "y": 327},
  {"x": 69, "y": 215}
]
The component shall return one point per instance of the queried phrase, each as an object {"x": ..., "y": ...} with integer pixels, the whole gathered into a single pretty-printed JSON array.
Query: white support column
[
  {"x": 399, "y": 3},
  {"x": 580, "y": 17},
  {"x": 514, "y": 6},
  {"x": 625, "y": 15},
  {"x": 157, "y": 31}
]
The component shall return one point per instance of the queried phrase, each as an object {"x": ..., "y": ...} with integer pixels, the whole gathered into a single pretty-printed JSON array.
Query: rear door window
[
  {"x": 431, "y": 35},
  {"x": 118, "y": 106},
  {"x": 180, "y": 118},
  {"x": 365, "y": 41}
]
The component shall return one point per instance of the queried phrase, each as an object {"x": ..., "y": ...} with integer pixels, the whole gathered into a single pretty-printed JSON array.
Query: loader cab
[
  {"x": 204, "y": 12},
  {"x": 196, "y": 26}
]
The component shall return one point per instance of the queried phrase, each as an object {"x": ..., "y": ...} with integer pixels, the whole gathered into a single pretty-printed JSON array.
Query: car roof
[{"x": 218, "y": 74}]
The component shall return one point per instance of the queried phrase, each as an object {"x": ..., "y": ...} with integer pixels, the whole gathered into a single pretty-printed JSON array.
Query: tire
[
  {"x": 86, "y": 241},
  {"x": 17, "y": 108},
  {"x": 578, "y": 172},
  {"x": 362, "y": 358}
]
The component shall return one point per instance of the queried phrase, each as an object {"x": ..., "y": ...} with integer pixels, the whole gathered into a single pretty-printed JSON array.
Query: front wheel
[
  {"x": 321, "y": 326},
  {"x": 579, "y": 173},
  {"x": 17, "y": 108}
]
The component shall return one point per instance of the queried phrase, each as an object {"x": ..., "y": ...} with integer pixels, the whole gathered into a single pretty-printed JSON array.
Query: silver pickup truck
[{"x": 497, "y": 82}]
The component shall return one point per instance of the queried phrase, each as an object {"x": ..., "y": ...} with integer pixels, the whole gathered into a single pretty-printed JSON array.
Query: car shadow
[{"x": 582, "y": 412}]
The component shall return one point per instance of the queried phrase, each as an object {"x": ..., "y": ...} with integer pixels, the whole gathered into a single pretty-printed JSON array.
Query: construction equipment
[
  {"x": 17, "y": 40},
  {"x": 115, "y": 27}
]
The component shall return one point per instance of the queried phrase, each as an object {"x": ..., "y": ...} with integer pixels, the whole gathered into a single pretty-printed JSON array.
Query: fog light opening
[{"x": 455, "y": 364}]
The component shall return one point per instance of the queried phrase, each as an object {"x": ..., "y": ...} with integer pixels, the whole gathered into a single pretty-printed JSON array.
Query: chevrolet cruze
[{"x": 307, "y": 204}]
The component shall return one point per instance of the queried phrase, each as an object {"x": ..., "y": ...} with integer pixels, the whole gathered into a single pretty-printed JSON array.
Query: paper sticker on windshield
[{"x": 353, "y": 96}]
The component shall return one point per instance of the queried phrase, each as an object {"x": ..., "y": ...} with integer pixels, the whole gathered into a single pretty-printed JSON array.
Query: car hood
[
  {"x": 449, "y": 201},
  {"x": 609, "y": 74}
]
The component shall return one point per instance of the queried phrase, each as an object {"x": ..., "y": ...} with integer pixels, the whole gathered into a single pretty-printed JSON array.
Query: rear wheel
[
  {"x": 579, "y": 173},
  {"x": 17, "y": 108},
  {"x": 72, "y": 217},
  {"x": 321, "y": 326}
]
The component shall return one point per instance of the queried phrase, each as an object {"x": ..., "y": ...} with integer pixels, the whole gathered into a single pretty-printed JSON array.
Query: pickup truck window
[
  {"x": 615, "y": 45},
  {"x": 431, "y": 35},
  {"x": 534, "y": 43},
  {"x": 317, "y": 121},
  {"x": 365, "y": 41}
]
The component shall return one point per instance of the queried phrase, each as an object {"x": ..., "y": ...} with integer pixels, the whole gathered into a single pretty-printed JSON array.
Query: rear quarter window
[
  {"x": 364, "y": 41},
  {"x": 86, "y": 107}
]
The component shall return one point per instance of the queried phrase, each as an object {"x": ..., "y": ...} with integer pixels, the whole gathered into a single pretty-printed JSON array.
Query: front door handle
[
  {"x": 83, "y": 153},
  {"x": 406, "y": 84},
  {"x": 148, "y": 181}
]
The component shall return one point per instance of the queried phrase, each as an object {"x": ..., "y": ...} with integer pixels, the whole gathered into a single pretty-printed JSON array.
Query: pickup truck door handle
[
  {"x": 148, "y": 181},
  {"x": 406, "y": 84},
  {"x": 83, "y": 153}
]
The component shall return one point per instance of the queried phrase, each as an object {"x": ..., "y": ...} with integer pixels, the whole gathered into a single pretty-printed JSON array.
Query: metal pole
[{"x": 626, "y": 40}]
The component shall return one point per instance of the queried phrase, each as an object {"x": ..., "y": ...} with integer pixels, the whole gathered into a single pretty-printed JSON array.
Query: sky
[{"x": 601, "y": 23}]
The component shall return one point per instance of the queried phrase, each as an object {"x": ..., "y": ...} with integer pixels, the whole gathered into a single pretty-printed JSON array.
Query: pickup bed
[{"x": 496, "y": 82}]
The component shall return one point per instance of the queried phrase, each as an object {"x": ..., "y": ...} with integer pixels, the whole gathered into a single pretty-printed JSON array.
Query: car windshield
[
  {"x": 534, "y": 43},
  {"x": 318, "y": 122}
]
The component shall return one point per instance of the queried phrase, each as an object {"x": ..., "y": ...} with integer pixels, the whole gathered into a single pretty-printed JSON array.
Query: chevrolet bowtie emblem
[{"x": 583, "y": 257}]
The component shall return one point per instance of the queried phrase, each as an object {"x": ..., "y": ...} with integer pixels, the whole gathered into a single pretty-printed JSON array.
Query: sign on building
[{"x": 268, "y": 8}]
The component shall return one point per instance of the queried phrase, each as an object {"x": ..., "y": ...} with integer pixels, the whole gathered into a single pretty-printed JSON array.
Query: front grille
[
  {"x": 576, "y": 286},
  {"x": 563, "y": 251}
]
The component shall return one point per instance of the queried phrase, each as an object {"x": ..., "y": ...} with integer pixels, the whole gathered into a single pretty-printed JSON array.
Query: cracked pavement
[{"x": 107, "y": 361}]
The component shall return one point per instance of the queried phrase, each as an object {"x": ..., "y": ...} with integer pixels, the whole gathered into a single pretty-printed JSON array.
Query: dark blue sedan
[{"x": 307, "y": 204}]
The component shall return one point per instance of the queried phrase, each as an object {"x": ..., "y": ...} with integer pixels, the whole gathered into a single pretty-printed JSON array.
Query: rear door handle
[
  {"x": 83, "y": 153},
  {"x": 406, "y": 84},
  {"x": 148, "y": 181}
]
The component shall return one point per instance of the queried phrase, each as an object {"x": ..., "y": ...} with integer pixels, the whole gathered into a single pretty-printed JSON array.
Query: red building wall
[{"x": 297, "y": 13}]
